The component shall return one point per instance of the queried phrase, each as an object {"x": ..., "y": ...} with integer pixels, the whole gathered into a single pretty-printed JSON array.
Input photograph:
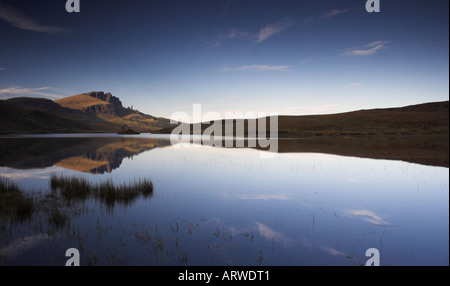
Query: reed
[
  {"x": 13, "y": 203},
  {"x": 107, "y": 192}
]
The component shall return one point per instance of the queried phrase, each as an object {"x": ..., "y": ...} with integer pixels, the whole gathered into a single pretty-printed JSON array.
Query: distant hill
[
  {"x": 109, "y": 108},
  {"x": 103, "y": 112},
  {"x": 421, "y": 119},
  {"x": 88, "y": 112}
]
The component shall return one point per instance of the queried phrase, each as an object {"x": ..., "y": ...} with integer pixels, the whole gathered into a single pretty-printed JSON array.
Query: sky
[{"x": 291, "y": 57}]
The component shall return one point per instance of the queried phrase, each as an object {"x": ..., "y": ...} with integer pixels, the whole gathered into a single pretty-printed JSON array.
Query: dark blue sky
[{"x": 291, "y": 57}]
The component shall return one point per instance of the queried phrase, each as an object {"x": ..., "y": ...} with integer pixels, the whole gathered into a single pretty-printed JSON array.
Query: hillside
[
  {"x": 420, "y": 119},
  {"x": 109, "y": 108},
  {"x": 36, "y": 115},
  {"x": 89, "y": 112}
]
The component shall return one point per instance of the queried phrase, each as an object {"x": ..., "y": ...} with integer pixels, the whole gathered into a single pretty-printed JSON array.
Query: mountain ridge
[{"x": 100, "y": 112}]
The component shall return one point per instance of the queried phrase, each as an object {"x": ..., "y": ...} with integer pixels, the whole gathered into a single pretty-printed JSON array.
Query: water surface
[{"x": 317, "y": 202}]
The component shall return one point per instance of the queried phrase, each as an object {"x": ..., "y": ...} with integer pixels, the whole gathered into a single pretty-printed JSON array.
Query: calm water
[{"x": 229, "y": 206}]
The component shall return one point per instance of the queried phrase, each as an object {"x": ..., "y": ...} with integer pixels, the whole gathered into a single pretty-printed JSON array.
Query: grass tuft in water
[
  {"x": 13, "y": 203},
  {"x": 109, "y": 193}
]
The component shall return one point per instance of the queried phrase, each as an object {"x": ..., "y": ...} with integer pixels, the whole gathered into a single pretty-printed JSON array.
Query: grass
[
  {"x": 80, "y": 101},
  {"x": 13, "y": 203},
  {"x": 109, "y": 193}
]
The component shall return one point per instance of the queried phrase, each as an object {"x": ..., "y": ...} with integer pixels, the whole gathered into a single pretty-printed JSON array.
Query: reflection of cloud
[
  {"x": 329, "y": 250},
  {"x": 22, "y": 245},
  {"x": 264, "y": 197},
  {"x": 272, "y": 235},
  {"x": 366, "y": 215},
  {"x": 304, "y": 204},
  {"x": 332, "y": 251},
  {"x": 27, "y": 174}
]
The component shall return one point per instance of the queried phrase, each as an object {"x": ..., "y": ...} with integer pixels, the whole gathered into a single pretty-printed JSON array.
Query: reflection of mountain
[
  {"x": 425, "y": 150},
  {"x": 95, "y": 155},
  {"x": 100, "y": 155}
]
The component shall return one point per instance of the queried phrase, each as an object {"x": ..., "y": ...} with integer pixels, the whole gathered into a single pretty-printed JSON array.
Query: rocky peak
[{"x": 108, "y": 97}]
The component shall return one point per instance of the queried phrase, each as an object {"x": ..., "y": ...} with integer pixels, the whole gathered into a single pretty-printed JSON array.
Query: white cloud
[
  {"x": 280, "y": 68},
  {"x": 19, "y": 20},
  {"x": 333, "y": 12},
  {"x": 368, "y": 49},
  {"x": 17, "y": 91},
  {"x": 2, "y": 69},
  {"x": 273, "y": 29},
  {"x": 355, "y": 84}
]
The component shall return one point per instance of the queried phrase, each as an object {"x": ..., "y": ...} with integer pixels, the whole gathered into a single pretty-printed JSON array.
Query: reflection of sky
[{"x": 325, "y": 205}]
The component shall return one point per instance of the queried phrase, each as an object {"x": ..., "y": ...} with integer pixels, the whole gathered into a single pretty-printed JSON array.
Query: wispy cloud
[
  {"x": 355, "y": 84},
  {"x": 264, "y": 68},
  {"x": 333, "y": 12},
  {"x": 263, "y": 34},
  {"x": 222, "y": 38},
  {"x": 17, "y": 91},
  {"x": 367, "y": 50},
  {"x": 22, "y": 21},
  {"x": 305, "y": 60},
  {"x": 2, "y": 68},
  {"x": 273, "y": 29}
]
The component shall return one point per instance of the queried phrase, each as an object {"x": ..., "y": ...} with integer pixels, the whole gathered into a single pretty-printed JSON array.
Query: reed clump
[
  {"x": 13, "y": 203},
  {"x": 108, "y": 192}
]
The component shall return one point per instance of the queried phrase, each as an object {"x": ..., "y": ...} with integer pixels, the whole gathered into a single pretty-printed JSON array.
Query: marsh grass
[
  {"x": 13, "y": 203},
  {"x": 107, "y": 192}
]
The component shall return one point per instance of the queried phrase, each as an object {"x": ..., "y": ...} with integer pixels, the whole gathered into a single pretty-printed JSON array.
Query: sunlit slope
[
  {"x": 109, "y": 108},
  {"x": 80, "y": 101}
]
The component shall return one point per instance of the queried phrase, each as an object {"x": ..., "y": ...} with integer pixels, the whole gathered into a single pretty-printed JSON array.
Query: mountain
[
  {"x": 87, "y": 112},
  {"x": 102, "y": 112},
  {"x": 421, "y": 119},
  {"x": 109, "y": 108},
  {"x": 37, "y": 115}
]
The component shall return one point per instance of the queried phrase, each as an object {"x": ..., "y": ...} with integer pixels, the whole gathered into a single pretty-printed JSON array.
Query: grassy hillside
[
  {"x": 421, "y": 119},
  {"x": 80, "y": 101},
  {"x": 36, "y": 115},
  {"x": 88, "y": 112},
  {"x": 110, "y": 109}
]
